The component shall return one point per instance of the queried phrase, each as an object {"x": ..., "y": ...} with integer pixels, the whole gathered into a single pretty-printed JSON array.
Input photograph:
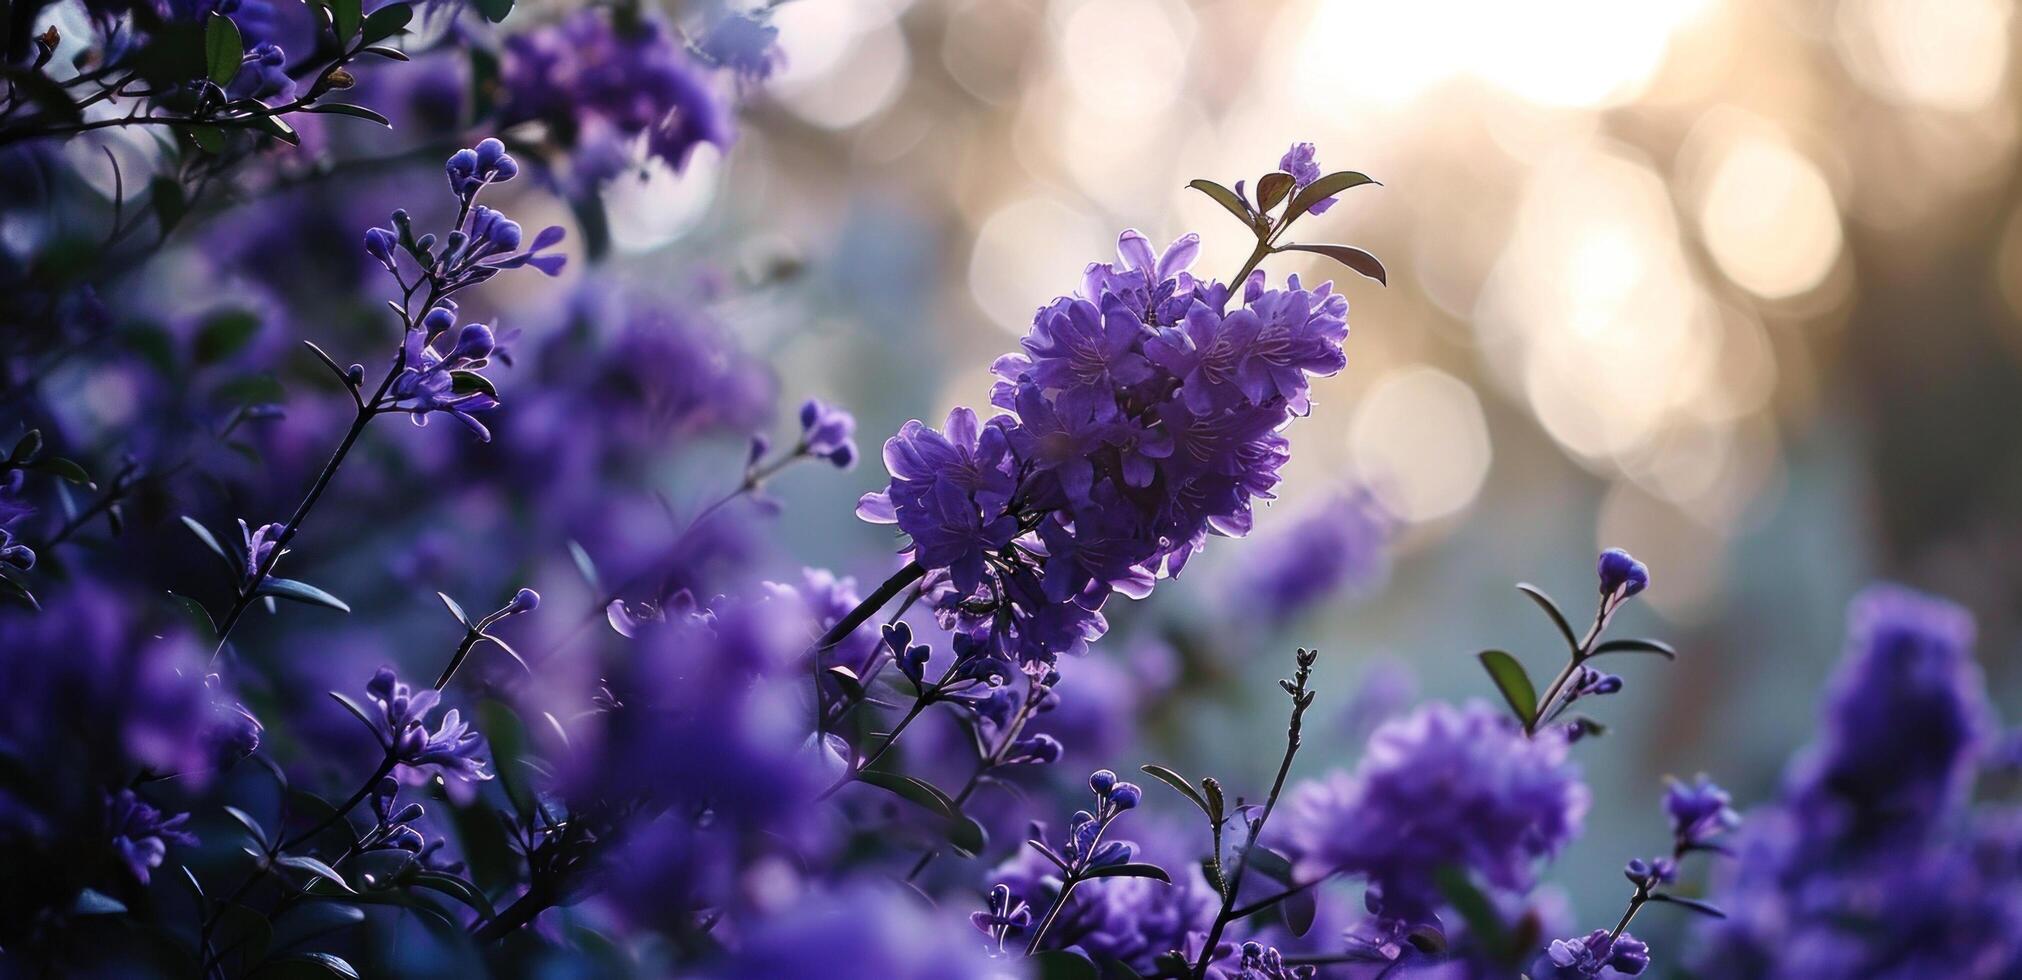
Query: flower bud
[
  {"x": 1125, "y": 796},
  {"x": 1101, "y": 780}
]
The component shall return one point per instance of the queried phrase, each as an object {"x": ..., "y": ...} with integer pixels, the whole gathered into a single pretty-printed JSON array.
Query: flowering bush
[{"x": 273, "y": 751}]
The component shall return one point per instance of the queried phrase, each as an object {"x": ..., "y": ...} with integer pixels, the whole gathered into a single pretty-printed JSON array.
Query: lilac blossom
[
  {"x": 451, "y": 750},
  {"x": 1597, "y": 954},
  {"x": 1441, "y": 786},
  {"x": 1142, "y": 417},
  {"x": 1339, "y": 545},
  {"x": 601, "y": 79},
  {"x": 141, "y": 834}
]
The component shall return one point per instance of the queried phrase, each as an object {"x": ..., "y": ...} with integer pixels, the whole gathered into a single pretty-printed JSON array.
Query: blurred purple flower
[
  {"x": 142, "y": 834},
  {"x": 1442, "y": 786}
]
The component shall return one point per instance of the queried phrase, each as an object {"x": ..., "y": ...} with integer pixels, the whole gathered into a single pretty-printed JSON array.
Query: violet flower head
[
  {"x": 452, "y": 749},
  {"x": 1699, "y": 810},
  {"x": 1908, "y": 668},
  {"x": 745, "y": 44},
  {"x": 828, "y": 432},
  {"x": 948, "y": 494},
  {"x": 142, "y": 834},
  {"x": 601, "y": 80},
  {"x": 471, "y": 169},
  {"x": 438, "y": 380},
  {"x": 13, "y": 509},
  {"x": 1621, "y": 575},
  {"x": 1261, "y": 962},
  {"x": 1300, "y": 163},
  {"x": 1442, "y": 786},
  {"x": 263, "y": 76},
  {"x": 259, "y": 547},
  {"x": 1596, "y": 954}
]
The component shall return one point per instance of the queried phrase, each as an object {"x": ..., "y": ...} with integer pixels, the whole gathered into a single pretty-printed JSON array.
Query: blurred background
[{"x": 1736, "y": 286}]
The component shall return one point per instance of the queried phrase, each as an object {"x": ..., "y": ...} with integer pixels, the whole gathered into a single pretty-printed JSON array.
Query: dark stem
[
  {"x": 522, "y": 911},
  {"x": 252, "y": 588},
  {"x": 919, "y": 705},
  {"x": 986, "y": 765},
  {"x": 1301, "y": 699},
  {"x": 843, "y": 627},
  {"x": 1544, "y": 712}
]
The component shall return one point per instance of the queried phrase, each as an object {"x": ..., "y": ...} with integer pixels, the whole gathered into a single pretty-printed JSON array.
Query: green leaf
[
  {"x": 1326, "y": 187},
  {"x": 852, "y": 685},
  {"x": 307, "y": 966},
  {"x": 390, "y": 54},
  {"x": 1484, "y": 925},
  {"x": 963, "y": 832},
  {"x": 1694, "y": 904},
  {"x": 224, "y": 334},
  {"x": 356, "y": 711},
  {"x": 466, "y": 382},
  {"x": 277, "y": 128},
  {"x": 457, "y": 888},
  {"x": 1227, "y": 199},
  {"x": 1179, "y": 782},
  {"x": 345, "y": 16},
  {"x": 224, "y": 51},
  {"x": 204, "y": 534},
  {"x": 303, "y": 862},
  {"x": 1272, "y": 188},
  {"x": 382, "y": 868},
  {"x": 1657, "y": 647},
  {"x": 1348, "y": 255},
  {"x": 1299, "y": 909},
  {"x": 495, "y": 10},
  {"x": 1513, "y": 682},
  {"x": 1134, "y": 869},
  {"x": 287, "y": 588},
  {"x": 1271, "y": 864},
  {"x": 454, "y": 609},
  {"x": 246, "y": 820},
  {"x": 508, "y": 738},
  {"x": 93, "y": 902},
  {"x": 11, "y": 589},
  {"x": 1551, "y": 609},
  {"x": 1061, "y": 964},
  {"x": 209, "y": 139},
  {"x": 25, "y": 449},
  {"x": 62, "y": 469},
  {"x": 386, "y": 22},
  {"x": 347, "y": 109}
]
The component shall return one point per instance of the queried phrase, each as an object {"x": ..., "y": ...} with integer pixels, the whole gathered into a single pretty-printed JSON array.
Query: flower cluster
[
  {"x": 452, "y": 749},
  {"x": 1140, "y": 416},
  {"x": 1442, "y": 786},
  {"x": 601, "y": 79},
  {"x": 1872, "y": 863}
]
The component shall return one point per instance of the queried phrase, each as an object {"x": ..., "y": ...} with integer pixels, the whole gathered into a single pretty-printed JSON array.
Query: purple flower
[
  {"x": 827, "y": 432},
  {"x": 1082, "y": 351},
  {"x": 1699, "y": 811},
  {"x": 1442, "y": 786},
  {"x": 1298, "y": 161},
  {"x": 600, "y": 81},
  {"x": 745, "y": 44},
  {"x": 1595, "y": 955},
  {"x": 436, "y": 380},
  {"x": 948, "y": 494},
  {"x": 453, "y": 749},
  {"x": 1622, "y": 576},
  {"x": 1873, "y": 863},
  {"x": 1342, "y": 543},
  {"x": 263, "y": 76},
  {"x": 487, "y": 163},
  {"x": 141, "y": 834},
  {"x": 259, "y": 547},
  {"x": 1908, "y": 669},
  {"x": 13, "y": 509}
]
